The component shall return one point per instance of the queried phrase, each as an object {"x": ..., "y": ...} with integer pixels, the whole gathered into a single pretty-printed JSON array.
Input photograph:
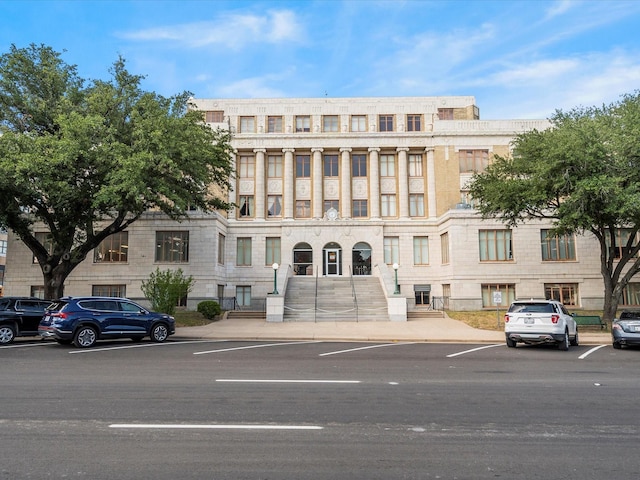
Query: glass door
[{"x": 332, "y": 261}]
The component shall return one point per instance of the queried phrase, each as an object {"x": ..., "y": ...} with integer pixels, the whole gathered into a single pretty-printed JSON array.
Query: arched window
[
  {"x": 361, "y": 258},
  {"x": 302, "y": 259}
]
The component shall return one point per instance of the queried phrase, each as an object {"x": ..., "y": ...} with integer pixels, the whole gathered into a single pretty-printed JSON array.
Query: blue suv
[{"x": 84, "y": 320}]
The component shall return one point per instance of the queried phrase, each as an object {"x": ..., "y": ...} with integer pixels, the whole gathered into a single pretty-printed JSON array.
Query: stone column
[
  {"x": 345, "y": 182},
  {"x": 374, "y": 182},
  {"x": 403, "y": 182},
  {"x": 431, "y": 183},
  {"x": 317, "y": 182},
  {"x": 288, "y": 183},
  {"x": 259, "y": 191}
]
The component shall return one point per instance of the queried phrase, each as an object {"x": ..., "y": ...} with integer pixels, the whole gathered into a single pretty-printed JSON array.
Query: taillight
[
  {"x": 58, "y": 314},
  {"x": 555, "y": 318},
  {"x": 506, "y": 319}
]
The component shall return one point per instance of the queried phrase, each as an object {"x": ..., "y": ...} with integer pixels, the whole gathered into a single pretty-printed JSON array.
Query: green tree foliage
[
  {"x": 583, "y": 174},
  {"x": 85, "y": 159},
  {"x": 165, "y": 288},
  {"x": 209, "y": 308}
]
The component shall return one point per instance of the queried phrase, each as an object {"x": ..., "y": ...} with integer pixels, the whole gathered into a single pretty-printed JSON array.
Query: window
[
  {"x": 359, "y": 165},
  {"x": 622, "y": 236},
  {"x": 221, "y": 244},
  {"x": 172, "y": 247},
  {"x": 495, "y": 245},
  {"x": 391, "y": 250},
  {"x": 508, "y": 292},
  {"x": 109, "y": 290},
  {"x": 274, "y": 124},
  {"x": 445, "y": 114},
  {"x": 274, "y": 166},
  {"x": 303, "y": 208},
  {"x": 272, "y": 251},
  {"x": 247, "y": 125},
  {"x": 420, "y": 250},
  {"x": 387, "y": 165},
  {"x": 385, "y": 123},
  {"x": 557, "y": 248},
  {"x": 274, "y": 205},
  {"x": 37, "y": 291},
  {"x": 414, "y": 123},
  {"x": 114, "y": 248},
  {"x": 243, "y": 295},
  {"x": 214, "y": 116},
  {"x": 335, "y": 204},
  {"x": 444, "y": 248},
  {"x": 358, "y": 123},
  {"x": 566, "y": 293},
  {"x": 631, "y": 294},
  {"x": 330, "y": 165},
  {"x": 330, "y": 123},
  {"x": 416, "y": 205},
  {"x": 246, "y": 166},
  {"x": 473, "y": 160},
  {"x": 3, "y": 247},
  {"x": 388, "y": 205},
  {"x": 246, "y": 206},
  {"x": 45, "y": 239},
  {"x": 303, "y": 124},
  {"x": 243, "y": 252},
  {"x": 422, "y": 294},
  {"x": 360, "y": 208},
  {"x": 303, "y": 166},
  {"x": 415, "y": 165}
]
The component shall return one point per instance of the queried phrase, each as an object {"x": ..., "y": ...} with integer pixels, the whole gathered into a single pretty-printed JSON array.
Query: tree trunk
[{"x": 54, "y": 278}]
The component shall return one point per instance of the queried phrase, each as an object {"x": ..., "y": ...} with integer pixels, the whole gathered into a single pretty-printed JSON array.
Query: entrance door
[{"x": 332, "y": 261}]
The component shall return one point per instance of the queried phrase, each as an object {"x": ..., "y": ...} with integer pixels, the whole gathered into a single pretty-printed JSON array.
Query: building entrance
[{"x": 332, "y": 255}]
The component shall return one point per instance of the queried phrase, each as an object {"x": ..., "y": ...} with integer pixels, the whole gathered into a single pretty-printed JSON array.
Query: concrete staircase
[{"x": 335, "y": 301}]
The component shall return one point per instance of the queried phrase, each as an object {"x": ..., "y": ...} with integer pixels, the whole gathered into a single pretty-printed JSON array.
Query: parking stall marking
[
  {"x": 590, "y": 351},
  {"x": 141, "y": 345},
  {"x": 23, "y": 345},
  {"x": 474, "y": 350},
  {"x": 213, "y": 427},
  {"x": 234, "y": 380},
  {"x": 365, "y": 348},
  {"x": 248, "y": 347}
]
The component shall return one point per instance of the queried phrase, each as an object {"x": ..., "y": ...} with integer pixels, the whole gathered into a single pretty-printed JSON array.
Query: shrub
[
  {"x": 165, "y": 288},
  {"x": 209, "y": 308}
]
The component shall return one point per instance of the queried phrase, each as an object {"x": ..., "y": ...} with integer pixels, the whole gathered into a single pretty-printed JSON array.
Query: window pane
[
  {"x": 415, "y": 165},
  {"x": 274, "y": 205},
  {"x": 272, "y": 254},
  {"x": 359, "y": 165},
  {"x": 303, "y": 208},
  {"x": 330, "y": 123},
  {"x": 330, "y": 165},
  {"x": 246, "y": 206},
  {"x": 303, "y": 166},
  {"x": 420, "y": 250},
  {"x": 114, "y": 248},
  {"x": 358, "y": 123},
  {"x": 303, "y": 124},
  {"x": 274, "y": 166},
  {"x": 359, "y": 208},
  {"x": 247, "y": 125},
  {"x": 243, "y": 252},
  {"x": 172, "y": 247}
]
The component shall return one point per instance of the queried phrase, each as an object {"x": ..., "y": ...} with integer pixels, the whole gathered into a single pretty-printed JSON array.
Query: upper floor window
[
  {"x": 274, "y": 124},
  {"x": 330, "y": 123},
  {"x": 388, "y": 205},
  {"x": 303, "y": 166},
  {"x": 391, "y": 250},
  {"x": 358, "y": 123},
  {"x": 385, "y": 123},
  {"x": 221, "y": 248},
  {"x": 246, "y": 206},
  {"x": 274, "y": 166},
  {"x": 473, "y": 160},
  {"x": 243, "y": 252},
  {"x": 359, "y": 165},
  {"x": 414, "y": 123},
  {"x": 114, "y": 248},
  {"x": 272, "y": 250},
  {"x": 274, "y": 205},
  {"x": 387, "y": 165},
  {"x": 420, "y": 250},
  {"x": 621, "y": 240},
  {"x": 172, "y": 246},
  {"x": 495, "y": 245},
  {"x": 303, "y": 123},
  {"x": 3, "y": 247},
  {"x": 214, "y": 116},
  {"x": 445, "y": 114},
  {"x": 557, "y": 247},
  {"x": 416, "y": 205},
  {"x": 246, "y": 166},
  {"x": 331, "y": 165},
  {"x": 303, "y": 208},
  {"x": 247, "y": 125},
  {"x": 444, "y": 248},
  {"x": 415, "y": 165},
  {"x": 46, "y": 240},
  {"x": 360, "y": 208}
]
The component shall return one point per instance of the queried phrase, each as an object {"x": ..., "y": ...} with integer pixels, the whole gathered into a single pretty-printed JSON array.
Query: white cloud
[{"x": 560, "y": 7}]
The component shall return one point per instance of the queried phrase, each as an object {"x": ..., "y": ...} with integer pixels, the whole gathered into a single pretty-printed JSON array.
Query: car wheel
[
  {"x": 564, "y": 343},
  {"x": 7, "y": 334},
  {"x": 511, "y": 343},
  {"x": 85, "y": 337},
  {"x": 617, "y": 345},
  {"x": 63, "y": 341},
  {"x": 575, "y": 342},
  {"x": 159, "y": 332}
]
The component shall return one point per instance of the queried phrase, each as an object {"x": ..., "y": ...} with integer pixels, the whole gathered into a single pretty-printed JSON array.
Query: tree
[
  {"x": 87, "y": 159},
  {"x": 165, "y": 288},
  {"x": 583, "y": 174}
]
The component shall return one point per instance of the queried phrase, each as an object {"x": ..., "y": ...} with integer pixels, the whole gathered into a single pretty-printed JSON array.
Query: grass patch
[
  {"x": 190, "y": 318},
  {"x": 483, "y": 319}
]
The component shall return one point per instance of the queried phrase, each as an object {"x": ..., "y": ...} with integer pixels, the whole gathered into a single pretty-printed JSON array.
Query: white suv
[{"x": 540, "y": 321}]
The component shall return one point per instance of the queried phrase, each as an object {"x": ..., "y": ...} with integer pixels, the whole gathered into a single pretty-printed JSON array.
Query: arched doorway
[
  {"x": 361, "y": 258},
  {"x": 332, "y": 259},
  {"x": 302, "y": 259}
]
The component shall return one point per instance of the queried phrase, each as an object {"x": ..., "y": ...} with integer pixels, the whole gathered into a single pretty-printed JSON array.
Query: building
[{"x": 342, "y": 187}]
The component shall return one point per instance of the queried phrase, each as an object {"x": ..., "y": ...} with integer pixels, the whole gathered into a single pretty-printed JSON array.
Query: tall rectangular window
[
  {"x": 358, "y": 123},
  {"x": 247, "y": 125},
  {"x": 359, "y": 165},
  {"x": 303, "y": 166},
  {"x": 508, "y": 292},
  {"x": 274, "y": 205},
  {"x": 3, "y": 247},
  {"x": 246, "y": 206},
  {"x": 272, "y": 251},
  {"x": 566, "y": 293},
  {"x": 330, "y": 123},
  {"x": 472, "y": 161},
  {"x": 214, "y": 116},
  {"x": 391, "y": 250},
  {"x": 246, "y": 166},
  {"x": 495, "y": 245},
  {"x": 385, "y": 123},
  {"x": 420, "y": 250},
  {"x": 243, "y": 295},
  {"x": 330, "y": 165},
  {"x": 387, "y": 165},
  {"x": 243, "y": 252},
  {"x": 388, "y": 205},
  {"x": 303, "y": 208},
  {"x": 414, "y": 123},
  {"x": 274, "y": 166},
  {"x": 557, "y": 247},
  {"x": 621, "y": 239},
  {"x": 221, "y": 248},
  {"x": 415, "y": 165},
  {"x": 172, "y": 247},
  {"x": 359, "y": 209},
  {"x": 444, "y": 248},
  {"x": 445, "y": 114},
  {"x": 631, "y": 294},
  {"x": 416, "y": 205},
  {"x": 328, "y": 204},
  {"x": 303, "y": 123},
  {"x": 274, "y": 124},
  {"x": 114, "y": 248}
]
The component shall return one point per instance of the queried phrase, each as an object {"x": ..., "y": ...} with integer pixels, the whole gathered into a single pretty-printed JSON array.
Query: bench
[{"x": 590, "y": 321}]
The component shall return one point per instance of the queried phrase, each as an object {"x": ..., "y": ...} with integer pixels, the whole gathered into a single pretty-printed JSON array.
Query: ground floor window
[
  {"x": 37, "y": 291},
  {"x": 303, "y": 259},
  {"x": 391, "y": 250},
  {"x": 243, "y": 295},
  {"x": 631, "y": 295},
  {"x": 566, "y": 293},
  {"x": 507, "y": 294},
  {"x": 361, "y": 259},
  {"x": 109, "y": 290},
  {"x": 422, "y": 294}
]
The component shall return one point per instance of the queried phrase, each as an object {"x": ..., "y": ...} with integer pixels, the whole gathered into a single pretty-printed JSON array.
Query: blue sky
[{"x": 520, "y": 59}]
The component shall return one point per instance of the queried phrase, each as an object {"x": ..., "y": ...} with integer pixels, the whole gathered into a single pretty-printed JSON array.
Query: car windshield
[{"x": 532, "y": 308}]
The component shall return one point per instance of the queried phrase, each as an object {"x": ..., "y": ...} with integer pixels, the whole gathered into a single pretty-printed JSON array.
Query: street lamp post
[
  {"x": 275, "y": 267},
  {"x": 397, "y": 290}
]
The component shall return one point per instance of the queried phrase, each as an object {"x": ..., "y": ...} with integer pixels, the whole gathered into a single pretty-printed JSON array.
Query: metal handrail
[
  {"x": 315, "y": 305},
  {"x": 353, "y": 292}
]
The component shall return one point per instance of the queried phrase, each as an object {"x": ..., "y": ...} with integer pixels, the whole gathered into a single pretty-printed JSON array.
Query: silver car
[{"x": 626, "y": 329}]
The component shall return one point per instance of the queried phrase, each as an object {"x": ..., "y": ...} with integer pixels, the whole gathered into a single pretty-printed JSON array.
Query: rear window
[
  {"x": 629, "y": 315},
  {"x": 57, "y": 306},
  {"x": 541, "y": 307}
]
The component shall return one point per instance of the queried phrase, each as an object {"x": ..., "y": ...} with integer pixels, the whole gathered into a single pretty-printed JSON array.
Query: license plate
[{"x": 529, "y": 321}]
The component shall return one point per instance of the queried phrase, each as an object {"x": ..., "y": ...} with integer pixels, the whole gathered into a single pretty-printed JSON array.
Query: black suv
[
  {"x": 84, "y": 320},
  {"x": 20, "y": 316}
]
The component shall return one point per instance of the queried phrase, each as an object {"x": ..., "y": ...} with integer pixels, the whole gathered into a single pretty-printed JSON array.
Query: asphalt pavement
[{"x": 437, "y": 330}]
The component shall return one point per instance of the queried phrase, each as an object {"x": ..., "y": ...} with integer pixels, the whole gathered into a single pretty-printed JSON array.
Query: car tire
[
  {"x": 85, "y": 337},
  {"x": 511, "y": 343},
  {"x": 7, "y": 334},
  {"x": 575, "y": 341},
  {"x": 159, "y": 332},
  {"x": 617, "y": 345},
  {"x": 564, "y": 343}
]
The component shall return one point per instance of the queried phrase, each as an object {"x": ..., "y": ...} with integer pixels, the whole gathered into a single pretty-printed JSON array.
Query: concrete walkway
[{"x": 437, "y": 330}]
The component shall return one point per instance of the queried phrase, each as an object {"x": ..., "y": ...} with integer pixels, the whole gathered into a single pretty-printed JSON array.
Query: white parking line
[
  {"x": 22, "y": 345},
  {"x": 234, "y": 380},
  {"x": 215, "y": 427},
  {"x": 253, "y": 346},
  {"x": 141, "y": 345},
  {"x": 365, "y": 348},
  {"x": 589, "y": 352},
  {"x": 474, "y": 350}
]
